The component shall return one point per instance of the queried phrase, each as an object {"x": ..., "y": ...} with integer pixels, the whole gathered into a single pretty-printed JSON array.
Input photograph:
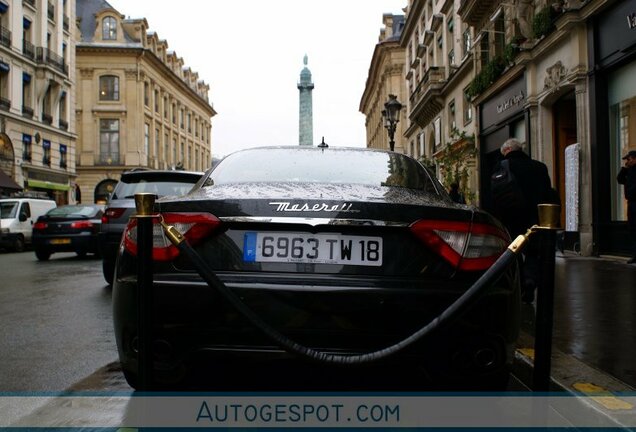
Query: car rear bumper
[
  {"x": 334, "y": 318},
  {"x": 81, "y": 242}
]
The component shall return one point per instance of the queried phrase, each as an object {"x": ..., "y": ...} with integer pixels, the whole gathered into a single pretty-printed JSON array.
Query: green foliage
[
  {"x": 543, "y": 22},
  {"x": 455, "y": 162},
  {"x": 488, "y": 75}
]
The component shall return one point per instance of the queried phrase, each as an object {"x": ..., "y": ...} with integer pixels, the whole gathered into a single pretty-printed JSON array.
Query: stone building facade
[
  {"x": 137, "y": 105},
  {"x": 37, "y": 77},
  {"x": 386, "y": 77},
  {"x": 558, "y": 75}
]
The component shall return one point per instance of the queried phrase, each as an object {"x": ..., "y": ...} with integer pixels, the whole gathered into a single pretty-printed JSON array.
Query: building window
[
  {"x": 109, "y": 141},
  {"x": 46, "y": 107},
  {"x": 63, "y": 122},
  {"x": 157, "y": 143},
  {"x": 109, "y": 28},
  {"x": 26, "y": 147},
  {"x": 165, "y": 107},
  {"x": 468, "y": 108},
  {"x": 174, "y": 151},
  {"x": 156, "y": 101},
  {"x": 500, "y": 35},
  {"x": 174, "y": 114},
  {"x": 196, "y": 127},
  {"x": 166, "y": 148},
  {"x": 451, "y": 57},
  {"x": 109, "y": 88},
  {"x": 146, "y": 138},
  {"x": 467, "y": 42},
  {"x": 27, "y": 108},
  {"x": 183, "y": 153},
  {"x": 452, "y": 124},
  {"x": 46, "y": 158},
  {"x": 189, "y": 122},
  {"x": 484, "y": 49},
  {"x": 146, "y": 94},
  {"x": 62, "y": 156},
  {"x": 181, "y": 118}
]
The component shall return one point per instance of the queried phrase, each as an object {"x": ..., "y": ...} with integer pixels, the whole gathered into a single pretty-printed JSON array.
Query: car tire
[
  {"x": 108, "y": 269},
  {"x": 42, "y": 255},
  {"x": 18, "y": 244}
]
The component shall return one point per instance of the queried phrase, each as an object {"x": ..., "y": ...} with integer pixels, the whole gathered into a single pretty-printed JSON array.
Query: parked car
[
  {"x": 68, "y": 228},
  {"x": 17, "y": 216},
  {"x": 343, "y": 250},
  {"x": 121, "y": 206}
]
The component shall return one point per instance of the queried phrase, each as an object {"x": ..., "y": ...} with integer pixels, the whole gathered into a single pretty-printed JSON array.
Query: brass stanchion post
[
  {"x": 144, "y": 203},
  {"x": 548, "y": 224}
]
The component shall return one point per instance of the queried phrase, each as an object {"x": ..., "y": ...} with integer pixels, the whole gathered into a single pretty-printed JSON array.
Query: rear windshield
[
  {"x": 129, "y": 186},
  {"x": 340, "y": 166},
  {"x": 8, "y": 209},
  {"x": 75, "y": 211}
]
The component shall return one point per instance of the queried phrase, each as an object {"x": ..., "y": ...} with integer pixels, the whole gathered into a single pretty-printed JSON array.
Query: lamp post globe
[{"x": 391, "y": 116}]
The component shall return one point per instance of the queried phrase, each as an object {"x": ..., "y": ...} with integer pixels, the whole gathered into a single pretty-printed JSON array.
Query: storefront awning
[
  {"x": 7, "y": 183},
  {"x": 48, "y": 185}
]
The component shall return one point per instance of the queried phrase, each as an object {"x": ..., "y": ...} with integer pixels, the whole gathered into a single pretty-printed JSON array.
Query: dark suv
[{"x": 121, "y": 206}]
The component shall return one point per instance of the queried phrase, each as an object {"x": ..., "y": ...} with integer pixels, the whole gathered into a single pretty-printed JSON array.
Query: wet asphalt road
[{"x": 56, "y": 321}]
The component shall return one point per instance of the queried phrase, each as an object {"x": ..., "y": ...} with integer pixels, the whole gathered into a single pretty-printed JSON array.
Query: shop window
[
  {"x": 622, "y": 129},
  {"x": 109, "y": 88}
]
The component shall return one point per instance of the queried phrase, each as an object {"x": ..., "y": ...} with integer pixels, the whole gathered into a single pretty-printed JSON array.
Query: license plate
[
  {"x": 60, "y": 241},
  {"x": 312, "y": 248}
]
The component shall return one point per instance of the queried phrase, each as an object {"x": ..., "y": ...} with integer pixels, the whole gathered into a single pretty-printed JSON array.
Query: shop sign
[{"x": 503, "y": 105}]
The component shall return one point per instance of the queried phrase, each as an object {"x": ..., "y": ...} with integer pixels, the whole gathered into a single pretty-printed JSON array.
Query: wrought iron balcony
[
  {"x": 426, "y": 99},
  {"x": 5, "y": 37},
  {"x": 46, "y": 56},
  {"x": 63, "y": 124},
  {"x": 5, "y": 104},
  {"x": 47, "y": 118},
  {"x": 28, "y": 49}
]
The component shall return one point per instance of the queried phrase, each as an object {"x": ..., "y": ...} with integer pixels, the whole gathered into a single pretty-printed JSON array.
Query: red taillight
[
  {"x": 82, "y": 225},
  {"x": 466, "y": 245},
  {"x": 193, "y": 226},
  {"x": 112, "y": 213},
  {"x": 40, "y": 226}
]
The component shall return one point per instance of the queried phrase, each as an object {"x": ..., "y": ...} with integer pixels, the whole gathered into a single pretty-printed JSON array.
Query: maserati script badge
[{"x": 286, "y": 206}]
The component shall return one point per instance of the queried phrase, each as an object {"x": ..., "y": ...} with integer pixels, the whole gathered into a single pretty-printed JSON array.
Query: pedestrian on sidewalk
[
  {"x": 455, "y": 193},
  {"x": 627, "y": 177},
  {"x": 518, "y": 185}
]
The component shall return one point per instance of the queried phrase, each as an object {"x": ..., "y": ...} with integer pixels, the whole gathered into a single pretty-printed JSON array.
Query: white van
[{"x": 17, "y": 216}]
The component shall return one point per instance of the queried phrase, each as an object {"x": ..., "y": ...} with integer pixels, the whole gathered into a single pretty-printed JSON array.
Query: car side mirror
[{"x": 22, "y": 217}]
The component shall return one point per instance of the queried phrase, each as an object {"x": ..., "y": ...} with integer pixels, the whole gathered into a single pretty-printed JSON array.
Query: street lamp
[{"x": 391, "y": 115}]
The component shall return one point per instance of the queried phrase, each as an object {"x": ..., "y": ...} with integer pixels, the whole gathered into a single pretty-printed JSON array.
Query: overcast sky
[{"x": 251, "y": 52}]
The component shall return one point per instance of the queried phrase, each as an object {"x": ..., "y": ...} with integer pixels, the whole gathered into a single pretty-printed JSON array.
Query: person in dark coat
[
  {"x": 627, "y": 177},
  {"x": 534, "y": 183},
  {"x": 455, "y": 194}
]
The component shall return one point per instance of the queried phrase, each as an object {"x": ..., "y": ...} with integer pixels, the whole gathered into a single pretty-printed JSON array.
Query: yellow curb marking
[
  {"x": 528, "y": 352},
  {"x": 610, "y": 401}
]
